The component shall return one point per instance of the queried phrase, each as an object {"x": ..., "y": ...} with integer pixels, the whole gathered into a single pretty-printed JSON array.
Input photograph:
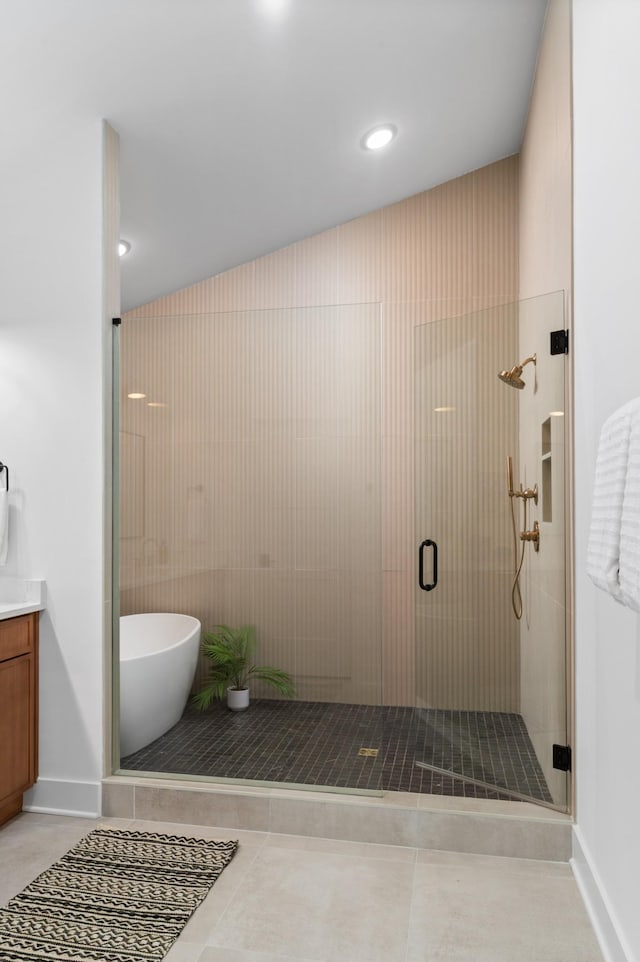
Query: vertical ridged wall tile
[
  {"x": 316, "y": 270},
  {"x": 405, "y": 259},
  {"x": 495, "y": 230},
  {"x": 450, "y": 251},
  {"x": 439, "y": 309},
  {"x": 397, "y": 515},
  {"x": 361, "y": 251},
  {"x": 398, "y": 321},
  {"x": 276, "y": 615},
  {"x": 275, "y": 282},
  {"x": 399, "y": 637},
  {"x": 440, "y": 254},
  {"x": 235, "y": 289},
  {"x": 546, "y": 216}
]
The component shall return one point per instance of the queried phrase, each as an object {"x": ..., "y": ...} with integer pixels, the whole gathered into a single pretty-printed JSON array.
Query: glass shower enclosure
[{"x": 336, "y": 478}]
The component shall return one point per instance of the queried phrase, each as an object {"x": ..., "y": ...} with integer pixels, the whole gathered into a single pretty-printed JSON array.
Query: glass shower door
[{"x": 490, "y": 687}]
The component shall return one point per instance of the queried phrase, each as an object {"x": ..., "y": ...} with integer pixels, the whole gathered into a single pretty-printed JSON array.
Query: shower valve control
[
  {"x": 527, "y": 493},
  {"x": 533, "y": 535}
]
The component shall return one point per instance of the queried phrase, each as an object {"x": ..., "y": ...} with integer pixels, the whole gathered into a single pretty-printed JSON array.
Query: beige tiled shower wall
[
  {"x": 251, "y": 476},
  {"x": 451, "y": 250}
]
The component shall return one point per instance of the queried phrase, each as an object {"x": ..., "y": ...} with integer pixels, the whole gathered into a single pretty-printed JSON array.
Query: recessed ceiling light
[
  {"x": 123, "y": 247},
  {"x": 379, "y": 137},
  {"x": 135, "y": 396}
]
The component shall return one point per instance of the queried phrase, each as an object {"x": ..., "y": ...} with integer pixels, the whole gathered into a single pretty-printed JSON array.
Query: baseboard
[
  {"x": 605, "y": 924},
  {"x": 57, "y": 796}
]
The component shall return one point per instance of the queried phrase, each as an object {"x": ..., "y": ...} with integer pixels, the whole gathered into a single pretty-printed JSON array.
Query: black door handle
[{"x": 427, "y": 544}]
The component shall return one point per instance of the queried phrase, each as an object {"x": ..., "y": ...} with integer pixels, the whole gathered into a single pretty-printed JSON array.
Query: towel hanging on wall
[
  {"x": 603, "y": 552},
  {"x": 613, "y": 553},
  {"x": 630, "y": 526}
]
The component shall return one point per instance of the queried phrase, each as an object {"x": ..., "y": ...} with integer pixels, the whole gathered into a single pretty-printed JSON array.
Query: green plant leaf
[
  {"x": 230, "y": 651},
  {"x": 276, "y": 677}
]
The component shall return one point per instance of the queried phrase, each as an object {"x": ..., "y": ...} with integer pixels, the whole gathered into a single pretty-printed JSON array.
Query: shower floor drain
[{"x": 369, "y": 752}]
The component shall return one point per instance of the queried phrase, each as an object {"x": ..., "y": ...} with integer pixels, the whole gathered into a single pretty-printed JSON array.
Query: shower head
[{"x": 514, "y": 377}]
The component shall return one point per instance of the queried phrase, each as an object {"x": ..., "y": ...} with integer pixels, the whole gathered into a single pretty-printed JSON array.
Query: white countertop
[{"x": 19, "y": 596}]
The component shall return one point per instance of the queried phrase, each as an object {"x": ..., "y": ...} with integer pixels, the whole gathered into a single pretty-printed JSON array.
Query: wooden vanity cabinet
[{"x": 18, "y": 711}]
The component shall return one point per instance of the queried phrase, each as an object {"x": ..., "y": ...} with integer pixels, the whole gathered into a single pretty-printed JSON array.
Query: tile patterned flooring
[
  {"x": 319, "y": 743},
  {"x": 297, "y": 899}
]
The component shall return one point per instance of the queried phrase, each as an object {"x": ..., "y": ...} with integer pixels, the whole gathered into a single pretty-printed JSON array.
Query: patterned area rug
[{"x": 117, "y": 896}]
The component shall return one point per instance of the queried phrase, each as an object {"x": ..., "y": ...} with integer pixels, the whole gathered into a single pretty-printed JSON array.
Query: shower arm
[{"x": 530, "y": 360}]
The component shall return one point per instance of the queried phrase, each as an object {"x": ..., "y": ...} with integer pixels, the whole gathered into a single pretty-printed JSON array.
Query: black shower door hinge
[
  {"x": 116, "y": 321},
  {"x": 559, "y": 342},
  {"x": 562, "y": 757}
]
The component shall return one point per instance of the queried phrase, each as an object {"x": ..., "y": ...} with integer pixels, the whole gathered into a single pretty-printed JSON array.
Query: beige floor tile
[
  {"x": 30, "y": 843},
  {"x": 320, "y": 906},
  {"x": 203, "y": 922},
  {"x": 184, "y": 952},
  {"x": 296, "y": 899},
  {"x": 215, "y": 954},
  {"x": 480, "y": 911}
]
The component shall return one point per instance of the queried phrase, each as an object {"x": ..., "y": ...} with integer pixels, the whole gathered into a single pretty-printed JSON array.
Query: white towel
[
  {"x": 630, "y": 526},
  {"x": 4, "y": 525},
  {"x": 603, "y": 552}
]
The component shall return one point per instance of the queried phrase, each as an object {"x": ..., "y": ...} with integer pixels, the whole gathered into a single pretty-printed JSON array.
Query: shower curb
[{"x": 441, "y": 823}]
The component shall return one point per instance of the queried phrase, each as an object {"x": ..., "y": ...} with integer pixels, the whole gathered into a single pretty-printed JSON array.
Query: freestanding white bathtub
[{"x": 158, "y": 658}]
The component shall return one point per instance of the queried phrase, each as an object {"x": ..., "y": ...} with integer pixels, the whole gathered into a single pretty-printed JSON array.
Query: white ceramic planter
[{"x": 237, "y": 699}]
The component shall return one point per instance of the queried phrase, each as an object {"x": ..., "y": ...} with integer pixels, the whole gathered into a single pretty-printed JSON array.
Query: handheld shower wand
[{"x": 516, "y": 594}]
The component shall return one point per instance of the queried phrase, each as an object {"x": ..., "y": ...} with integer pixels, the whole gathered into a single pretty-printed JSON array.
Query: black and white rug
[{"x": 116, "y": 896}]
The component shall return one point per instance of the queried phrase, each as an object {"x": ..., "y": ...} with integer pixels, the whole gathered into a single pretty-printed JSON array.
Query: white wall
[
  {"x": 606, "y": 77},
  {"x": 51, "y": 419}
]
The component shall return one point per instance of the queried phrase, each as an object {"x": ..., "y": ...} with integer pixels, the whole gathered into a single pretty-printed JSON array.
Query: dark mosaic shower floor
[{"x": 318, "y": 743}]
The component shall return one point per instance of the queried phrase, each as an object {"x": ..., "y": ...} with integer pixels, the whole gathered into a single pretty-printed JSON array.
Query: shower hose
[{"x": 516, "y": 594}]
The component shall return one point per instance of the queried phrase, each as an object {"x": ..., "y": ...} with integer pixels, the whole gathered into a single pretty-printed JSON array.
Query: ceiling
[{"x": 240, "y": 120}]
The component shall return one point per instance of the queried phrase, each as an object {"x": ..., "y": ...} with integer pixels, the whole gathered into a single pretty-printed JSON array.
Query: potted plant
[{"x": 231, "y": 651}]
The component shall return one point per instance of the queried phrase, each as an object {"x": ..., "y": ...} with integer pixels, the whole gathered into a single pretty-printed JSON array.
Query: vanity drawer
[{"x": 16, "y": 636}]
